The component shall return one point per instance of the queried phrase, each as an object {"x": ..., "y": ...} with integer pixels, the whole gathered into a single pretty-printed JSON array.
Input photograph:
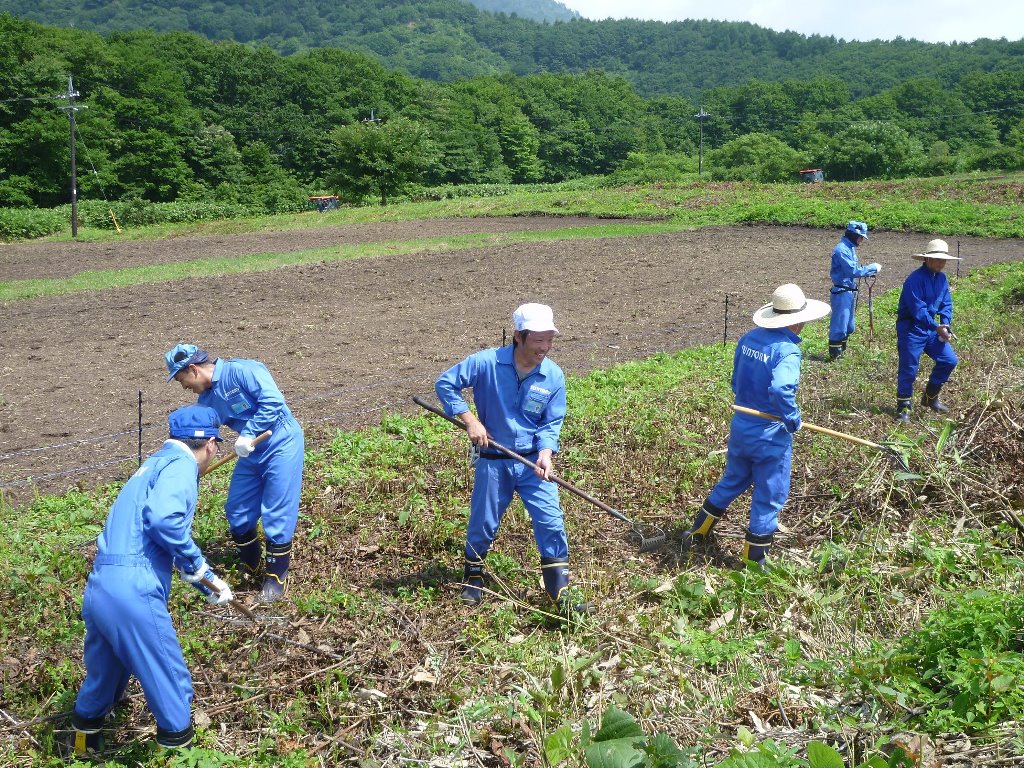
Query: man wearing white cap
[
  {"x": 922, "y": 326},
  {"x": 519, "y": 396},
  {"x": 765, "y": 377},
  {"x": 845, "y": 273}
]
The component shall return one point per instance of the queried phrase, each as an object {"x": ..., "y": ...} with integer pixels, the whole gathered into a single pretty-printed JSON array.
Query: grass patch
[{"x": 891, "y": 604}]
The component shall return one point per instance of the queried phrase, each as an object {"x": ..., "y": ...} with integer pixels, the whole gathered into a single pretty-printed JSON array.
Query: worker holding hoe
[
  {"x": 845, "y": 273},
  {"x": 519, "y": 395},
  {"x": 765, "y": 377},
  {"x": 922, "y": 327},
  {"x": 128, "y": 629},
  {"x": 267, "y": 482}
]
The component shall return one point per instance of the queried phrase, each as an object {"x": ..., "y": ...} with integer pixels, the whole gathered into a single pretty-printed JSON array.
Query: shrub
[{"x": 27, "y": 223}]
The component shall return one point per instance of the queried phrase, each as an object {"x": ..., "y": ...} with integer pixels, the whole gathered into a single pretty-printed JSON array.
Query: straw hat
[
  {"x": 936, "y": 249},
  {"x": 789, "y": 307}
]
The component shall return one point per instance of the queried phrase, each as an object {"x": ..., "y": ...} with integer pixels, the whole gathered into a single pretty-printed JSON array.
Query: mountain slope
[{"x": 448, "y": 40}]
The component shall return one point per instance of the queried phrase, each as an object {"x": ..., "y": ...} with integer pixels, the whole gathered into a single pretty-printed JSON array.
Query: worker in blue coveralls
[
  {"x": 922, "y": 326},
  {"x": 845, "y": 273},
  {"x": 519, "y": 395},
  {"x": 266, "y": 485},
  {"x": 128, "y": 629},
  {"x": 765, "y": 377}
]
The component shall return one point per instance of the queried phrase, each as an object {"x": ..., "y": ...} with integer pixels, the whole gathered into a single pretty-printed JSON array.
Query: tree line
[
  {"x": 174, "y": 116},
  {"x": 450, "y": 40}
]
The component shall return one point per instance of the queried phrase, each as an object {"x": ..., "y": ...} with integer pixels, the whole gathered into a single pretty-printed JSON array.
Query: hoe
[
  {"x": 888, "y": 450},
  {"x": 645, "y": 538}
]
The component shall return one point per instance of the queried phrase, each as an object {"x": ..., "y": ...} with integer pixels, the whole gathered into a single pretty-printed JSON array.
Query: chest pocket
[
  {"x": 238, "y": 404},
  {"x": 536, "y": 400}
]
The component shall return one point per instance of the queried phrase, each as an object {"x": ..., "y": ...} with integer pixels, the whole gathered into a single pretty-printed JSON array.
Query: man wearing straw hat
[
  {"x": 765, "y": 377},
  {"x": 845, "y": 273},
  {"x": 922, "y": 327}
]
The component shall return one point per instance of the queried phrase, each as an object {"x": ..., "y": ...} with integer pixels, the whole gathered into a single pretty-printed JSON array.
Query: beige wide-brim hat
[
  {"x": 936, "y": 249},
  {"x": 789, "y": 306}
]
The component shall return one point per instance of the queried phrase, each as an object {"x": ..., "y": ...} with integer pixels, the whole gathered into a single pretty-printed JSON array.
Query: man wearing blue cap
[
  {"x": 267, "y": 482},
  {"x": 128, "y": 628},
  {"x": 846, "y": 271},
  {"x": 520, "y": 402}
]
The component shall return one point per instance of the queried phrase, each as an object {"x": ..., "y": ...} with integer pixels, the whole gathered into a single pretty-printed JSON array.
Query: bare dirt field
[{"x": 349, "y": 340}]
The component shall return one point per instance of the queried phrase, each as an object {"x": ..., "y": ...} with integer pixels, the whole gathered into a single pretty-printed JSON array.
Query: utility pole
[
  {"x": 701, "y": 116},
  {"x": 71, "y": 108}
]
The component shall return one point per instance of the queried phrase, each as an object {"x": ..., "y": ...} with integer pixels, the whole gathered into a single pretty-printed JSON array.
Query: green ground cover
[{"x": 892, "y": 606}]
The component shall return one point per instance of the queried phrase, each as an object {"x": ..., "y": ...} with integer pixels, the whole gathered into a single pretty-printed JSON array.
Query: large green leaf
[
  {"x": 821, "y": 755},
  {"x": 615, "y": 753}
]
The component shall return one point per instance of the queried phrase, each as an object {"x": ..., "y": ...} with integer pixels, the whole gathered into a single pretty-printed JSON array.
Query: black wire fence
[{"x": 125, "y": 448}]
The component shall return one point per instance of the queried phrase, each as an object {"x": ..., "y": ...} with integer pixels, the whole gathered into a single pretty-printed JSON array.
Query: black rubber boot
[
  {"x": 278, "y": 559},
  {"x": 755, "y": 546},
  {"x": 87, "y": 737},
  {"x": 555, "y": 573},
  {"x": 930, "y": 399},
  {"x": 903, "y": 410},
  {"x": 704, "y": 522},
  {"x": 473, "y": 578},
  {"x": 836, "y": 349},
  {"x": 172, "y": 740},
  {"x": 250, "y": 552}
]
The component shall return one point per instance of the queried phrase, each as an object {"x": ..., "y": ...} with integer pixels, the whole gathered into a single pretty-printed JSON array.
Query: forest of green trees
[
  {"x": 173, "y": 116},
  {"x": 449, "y": 40}
]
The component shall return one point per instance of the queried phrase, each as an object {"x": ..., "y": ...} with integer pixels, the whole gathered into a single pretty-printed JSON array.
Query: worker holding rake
[
  {"x": 266, "y": 485},
  {"x": 520, "y": 400},
  {"x": 845, "y": 273},
  {"x": 922, "y": 327},
  {"x": 765, "y": 377},
  {"x": 128, "y": 627}
]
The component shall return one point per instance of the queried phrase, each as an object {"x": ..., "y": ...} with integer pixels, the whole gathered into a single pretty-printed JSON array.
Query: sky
[{"x": 933, "y": 21}]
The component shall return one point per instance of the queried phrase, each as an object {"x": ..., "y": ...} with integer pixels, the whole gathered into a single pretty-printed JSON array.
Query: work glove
[
  {"x": 793, "y": 425},
  {"x": 874, "y": 268},
  {"x": 243, "y": 446},
  {"x": 220, "y": 592}
]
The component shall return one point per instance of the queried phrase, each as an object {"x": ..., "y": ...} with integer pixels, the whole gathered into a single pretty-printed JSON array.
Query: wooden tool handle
[
  {"x": 232, "y": 456},
  {"x": 808, "y": 425}
]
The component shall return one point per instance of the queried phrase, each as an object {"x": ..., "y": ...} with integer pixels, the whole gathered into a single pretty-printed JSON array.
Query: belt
[
  {"x": 496, "y": 456},
  {"x": 843, "y": 289}
]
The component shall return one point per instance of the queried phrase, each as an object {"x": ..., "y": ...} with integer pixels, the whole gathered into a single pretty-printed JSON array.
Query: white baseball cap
[{"x": 534, "y": 317}]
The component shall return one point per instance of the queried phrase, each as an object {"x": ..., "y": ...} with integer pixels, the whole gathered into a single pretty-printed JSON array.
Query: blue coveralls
[
  {"x": 525, "y": 416},
  {"x": 924, "y": 297},
  {"x": 266, "y": 484},
  {"x": 765, "y": 376},
  {"x": 845, "y": 272},
  {"x": 127, "y": 624}
]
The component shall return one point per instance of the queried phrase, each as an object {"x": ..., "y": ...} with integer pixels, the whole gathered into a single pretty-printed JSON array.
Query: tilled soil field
[{"x": 348, "y": 340}]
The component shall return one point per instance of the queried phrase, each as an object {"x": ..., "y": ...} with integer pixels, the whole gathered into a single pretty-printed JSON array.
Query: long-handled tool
[
  {"x": 888, "y": 450},
  {"x": 647, "y": 538},
  {"x": 232, "y": 456},
  {"x": 869, "y": 281},
  {"x": 235, "y": 603}
]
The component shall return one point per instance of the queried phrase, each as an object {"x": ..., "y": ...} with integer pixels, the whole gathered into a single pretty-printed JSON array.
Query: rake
[
  {"x": 647, "y": 538},
  {"x": 888, "y": 450}
]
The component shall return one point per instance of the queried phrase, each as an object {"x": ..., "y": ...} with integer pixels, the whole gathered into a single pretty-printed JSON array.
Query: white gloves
[
  {"x": 874, "y": 268},
  {"x": 217, "y": 593},
  {"x": 223, "y": 593},
  {"x": 243, "y": 446}
]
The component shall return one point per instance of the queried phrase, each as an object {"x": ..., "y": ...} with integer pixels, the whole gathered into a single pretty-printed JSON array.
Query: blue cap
[
  {"x": 858, "y": 228},
  {"x": 194, "y": 421},
  {"x": 182, "y": 356}
]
